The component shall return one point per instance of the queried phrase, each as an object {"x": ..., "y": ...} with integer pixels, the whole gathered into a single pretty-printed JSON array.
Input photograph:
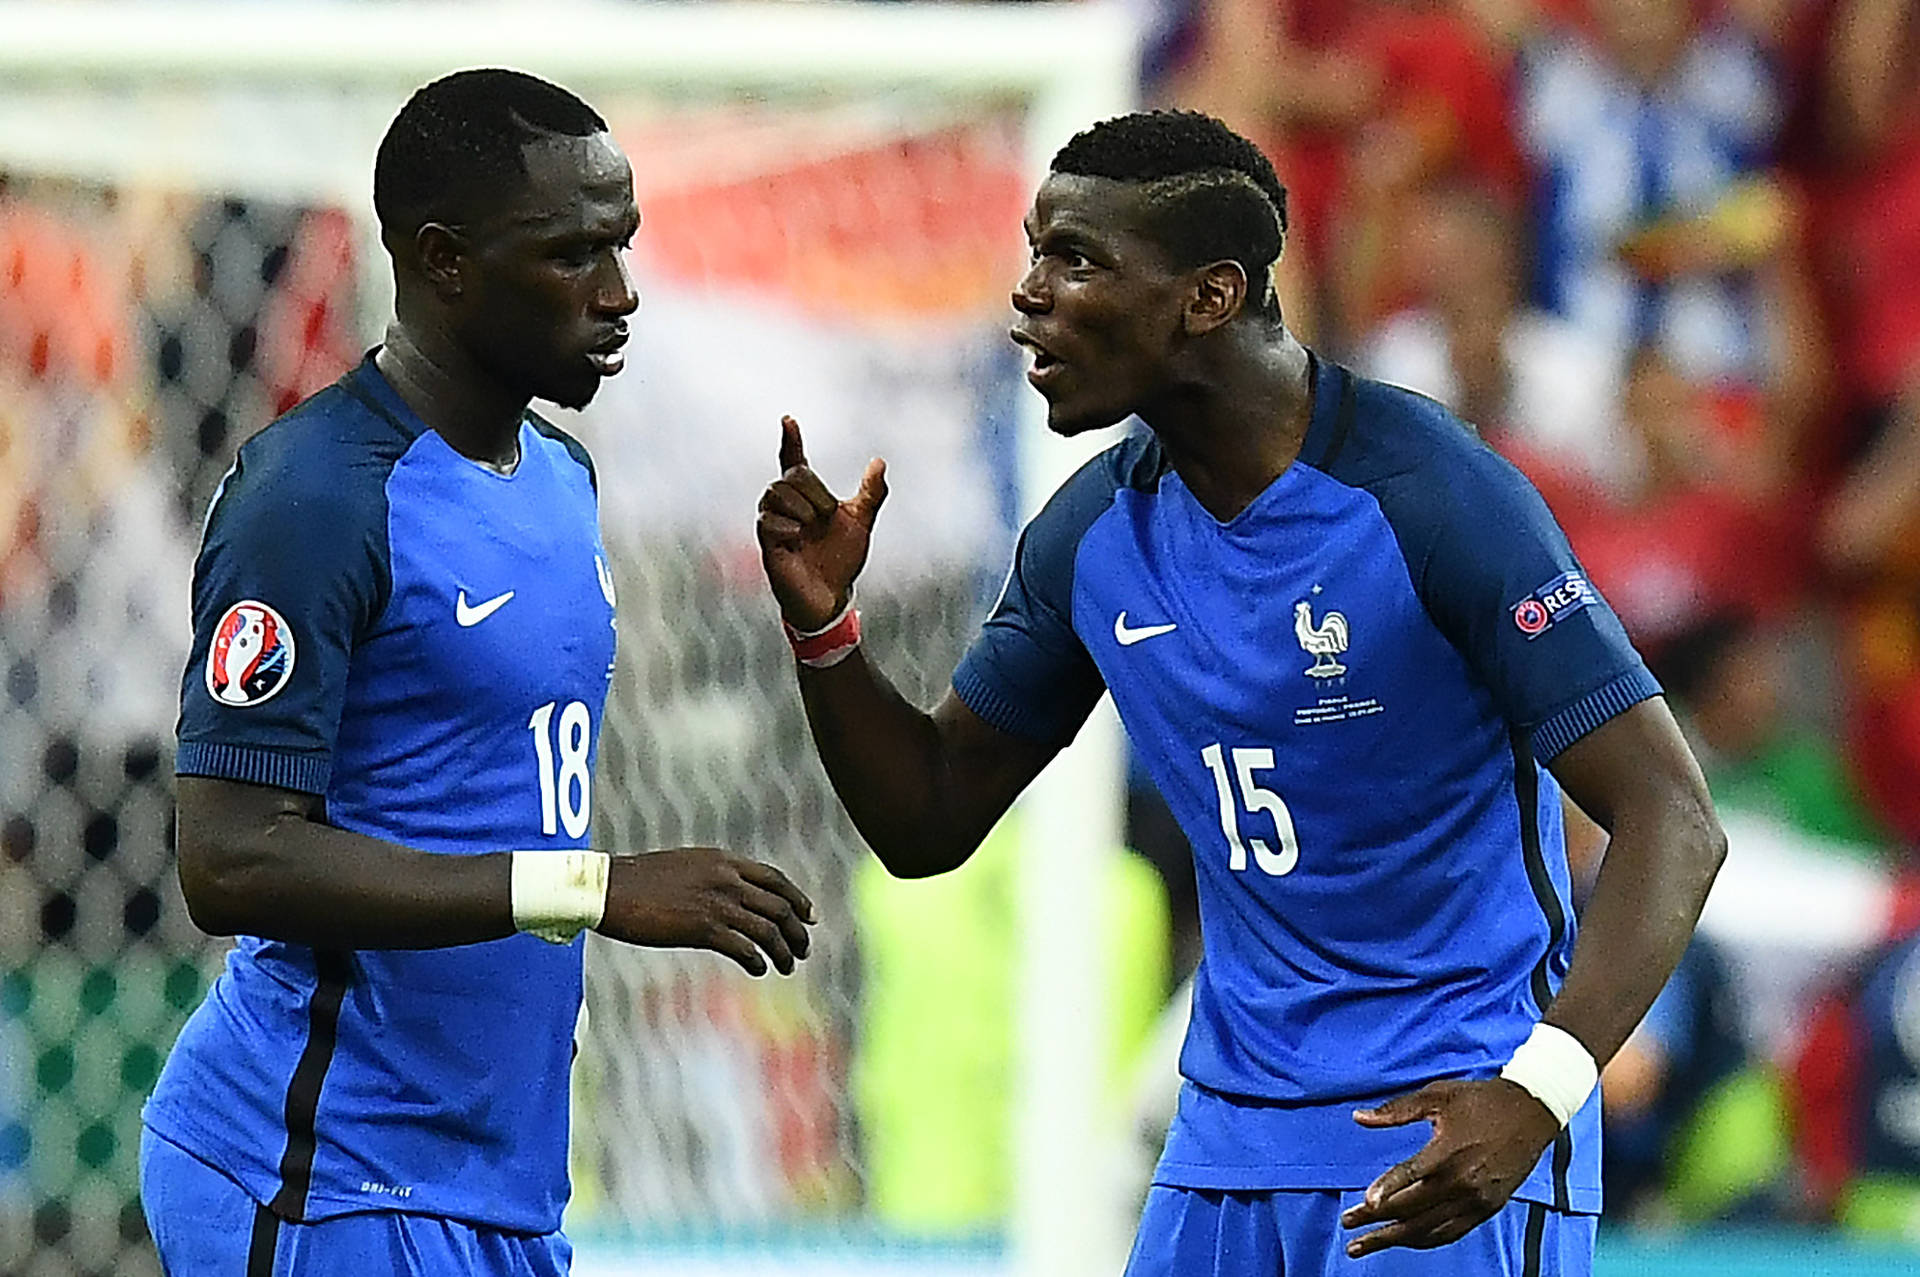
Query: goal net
[{"x": 832, "y": 199}]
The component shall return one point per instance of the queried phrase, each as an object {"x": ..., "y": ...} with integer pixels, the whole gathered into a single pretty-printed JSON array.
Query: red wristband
[{"x": 828, "y": 646}]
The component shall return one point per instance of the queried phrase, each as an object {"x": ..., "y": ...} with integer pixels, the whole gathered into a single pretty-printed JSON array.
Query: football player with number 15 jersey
[{"x": 1361, "y": 664}]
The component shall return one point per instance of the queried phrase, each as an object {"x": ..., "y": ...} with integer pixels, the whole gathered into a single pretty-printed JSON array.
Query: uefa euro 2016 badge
[
  {"x": 1558, "y": 598},
  {"x": 251, "y": 656}
]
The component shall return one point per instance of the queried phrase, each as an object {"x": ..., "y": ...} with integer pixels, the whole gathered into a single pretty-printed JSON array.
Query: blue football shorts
[
  {"x": 205, "y": 1225},
  {"x": 1193, "y": 1232}
]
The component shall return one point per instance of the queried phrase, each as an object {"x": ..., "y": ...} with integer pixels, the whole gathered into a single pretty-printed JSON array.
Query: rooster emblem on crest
[{"x": 1323, "y": 642}]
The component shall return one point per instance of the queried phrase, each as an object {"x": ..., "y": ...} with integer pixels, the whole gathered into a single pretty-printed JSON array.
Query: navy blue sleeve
[
  {"x": 1501, "y": 582},
  {"x": 292, "y": 569},
  {"x": 1028, "y": 673}
]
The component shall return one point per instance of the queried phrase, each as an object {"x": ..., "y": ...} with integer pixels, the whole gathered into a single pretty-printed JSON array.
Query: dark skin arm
[
  {"x": 1636, "y": 778},
  {"x": 259, "y": 861},
  {"x": 923, "y": 789}
]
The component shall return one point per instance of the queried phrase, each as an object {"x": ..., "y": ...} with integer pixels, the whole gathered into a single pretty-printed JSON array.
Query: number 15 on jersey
[{"x": 1256, "y": 798}]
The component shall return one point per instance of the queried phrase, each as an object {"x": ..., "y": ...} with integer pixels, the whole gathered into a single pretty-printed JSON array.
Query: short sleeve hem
[
  {"x": 1590, "y": 711},
  {"x": 253, "y": 765},
  {"x": 998, "y": 710}
]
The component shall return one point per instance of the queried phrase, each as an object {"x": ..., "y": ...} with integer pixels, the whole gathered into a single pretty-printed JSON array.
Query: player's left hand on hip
[{"x": 1486, "y": 1138}]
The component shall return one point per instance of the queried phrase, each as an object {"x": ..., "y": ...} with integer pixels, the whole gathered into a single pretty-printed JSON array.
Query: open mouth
[
  {"x": 606, "y": 356},
  {"x": 1045, "y": 372},
  {"x": 1045, "y": 362}
]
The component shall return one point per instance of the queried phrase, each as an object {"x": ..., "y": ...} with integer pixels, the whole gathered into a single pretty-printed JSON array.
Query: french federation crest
[
  {"x": 251, "y": 657},
  {"x": 1323, "y": 642}
]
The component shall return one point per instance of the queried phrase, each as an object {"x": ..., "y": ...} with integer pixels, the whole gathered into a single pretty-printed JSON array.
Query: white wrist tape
[
  {"x": 559, "y": 894},
  {"x": 1555, "y": 1069}
]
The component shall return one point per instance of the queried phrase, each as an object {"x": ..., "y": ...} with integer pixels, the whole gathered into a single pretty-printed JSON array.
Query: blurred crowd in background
[{"x": 1663, "y": 254}]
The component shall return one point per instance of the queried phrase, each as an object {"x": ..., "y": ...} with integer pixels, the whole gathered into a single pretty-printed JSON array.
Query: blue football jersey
[
  {"x": 1346, "y": 694},
  {"x": 427, "y": 643}
]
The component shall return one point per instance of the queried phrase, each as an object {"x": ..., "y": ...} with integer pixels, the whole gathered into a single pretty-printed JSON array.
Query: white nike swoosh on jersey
[
  {"x": 1127, "y": 637},
  {"x": 479, "y": 612}
]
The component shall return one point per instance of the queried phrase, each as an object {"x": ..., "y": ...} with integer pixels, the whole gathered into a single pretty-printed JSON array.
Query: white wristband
[
  {"x": 1555, "y": 1069},
  {"x": 559, "y": 894},
  {"x": 823, "y": 631}
]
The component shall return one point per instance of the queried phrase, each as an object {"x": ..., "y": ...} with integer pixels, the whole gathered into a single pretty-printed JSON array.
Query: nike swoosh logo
[
  {"x": 1127, "y": 637},
  {"x": 480, "y": 612}
]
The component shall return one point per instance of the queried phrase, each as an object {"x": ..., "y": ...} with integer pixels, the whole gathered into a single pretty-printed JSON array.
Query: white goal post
[{"x": 97, "y": 92}]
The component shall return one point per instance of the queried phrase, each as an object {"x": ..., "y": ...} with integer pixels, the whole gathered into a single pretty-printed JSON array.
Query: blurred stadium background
[{"x": 1665, "y": 253}]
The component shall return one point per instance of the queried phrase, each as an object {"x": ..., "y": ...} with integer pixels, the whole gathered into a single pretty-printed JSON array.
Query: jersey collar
[
  {"x": 1327, "y": 427},
  {"x": 367, "y": 384}
]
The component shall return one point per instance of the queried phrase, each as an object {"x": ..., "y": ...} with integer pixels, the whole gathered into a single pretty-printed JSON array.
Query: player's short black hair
[
  {"x": 457, "y": 143},
  {"x": 1212, "y": 194}
]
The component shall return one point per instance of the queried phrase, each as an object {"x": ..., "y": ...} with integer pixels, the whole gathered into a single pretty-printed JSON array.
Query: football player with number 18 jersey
[{"x": 404, "y": 634}]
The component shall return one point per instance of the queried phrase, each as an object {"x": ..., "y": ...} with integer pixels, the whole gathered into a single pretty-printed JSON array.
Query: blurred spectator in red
[
  {"x": 1854, "y": 142},
  {"x": 1854, "y": 1081},
  {"x": 1657, "y": 220},
  {"x": 1660, "y": 482},
  {"x": 1358, "y": 102},
  {"x": 1885, "y": 732},
  {"x": 1539, "y": 389},
  {"x": 1691, "y": 539}
]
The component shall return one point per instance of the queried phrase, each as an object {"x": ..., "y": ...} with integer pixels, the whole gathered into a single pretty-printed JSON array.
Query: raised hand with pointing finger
[
  {"x": 922, "y": 787},
  {"x": 813, "y": 544}
]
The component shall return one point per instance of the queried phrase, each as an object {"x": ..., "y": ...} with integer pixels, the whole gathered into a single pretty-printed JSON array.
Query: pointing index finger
[{"x": 793, "y": 452}]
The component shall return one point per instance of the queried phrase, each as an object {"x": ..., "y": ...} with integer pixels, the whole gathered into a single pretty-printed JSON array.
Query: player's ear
[
  {"x": 1219, "y": 293},
  {"x": 441, "y": 252}
]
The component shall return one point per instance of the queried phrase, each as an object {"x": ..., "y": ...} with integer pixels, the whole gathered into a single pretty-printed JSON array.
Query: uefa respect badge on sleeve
[{"x": 1547, "y": 606}]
